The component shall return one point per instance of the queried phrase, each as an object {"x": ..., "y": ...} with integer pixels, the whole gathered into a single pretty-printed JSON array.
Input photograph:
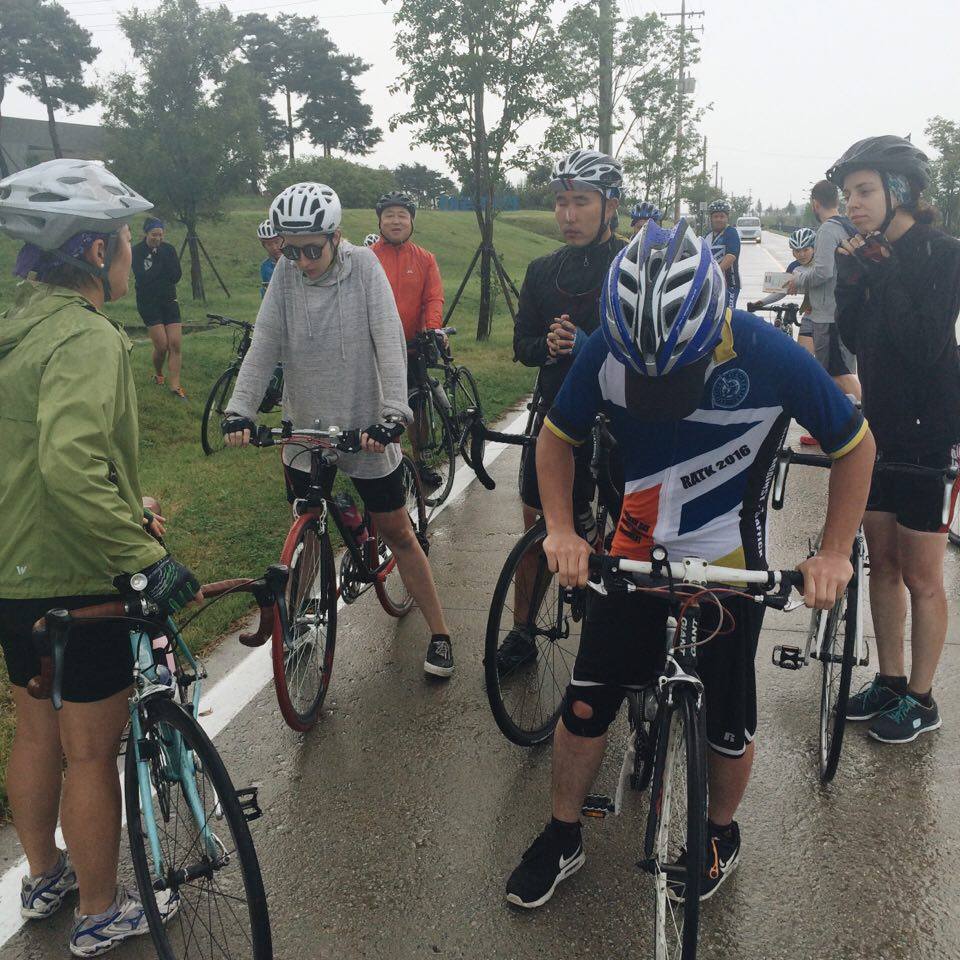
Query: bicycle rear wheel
[
  {"x": 526, "y": 687},
  {"x": 208, "y": 865},
  {"x": 303, "y": 658},
  {"x": 211, "y": 436},
  {"x": 675, "y": 842},
  {"x": 437, "y": 442},
  {"x": 391, "y": 590},
  {"x": 464, "y": 395},
  {"x": 836, "y": 655}
]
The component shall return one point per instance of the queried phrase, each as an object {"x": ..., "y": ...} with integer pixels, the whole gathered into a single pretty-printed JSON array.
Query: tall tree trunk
[
  {"x": 51, "y": 120},
  {"x": 196, "y": 271},
  {"x": 482, "y": 194},
  {"x": 4, "y": 169},
  {"x": 326, "y": 151},
  {"x": 290, "y": 125}
]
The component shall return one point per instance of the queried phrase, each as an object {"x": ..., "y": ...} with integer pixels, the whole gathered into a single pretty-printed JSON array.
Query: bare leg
[
  {"x": 922, "y": 558},
  {"x": 91, "y": 733},
  {"x": 413, "y": 565},
  {"x": 158, "y": 337},
  {"x": 728, "y": 778},
  {"x": 576, "y": 761},
  {"x": 849, "y": 383},
  {"x": 807, "y": 344},
  {"x": 34, "y": 779},
  {"x": 175, "y": 354},
  {"x": 888, "y": 594},
  {"x": 523, "y": 581}
]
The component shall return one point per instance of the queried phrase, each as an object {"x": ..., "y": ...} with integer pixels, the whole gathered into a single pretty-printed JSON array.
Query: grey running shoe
[
  {"x": 94, "y": 934},
  {"x": 42, "y": 896}
]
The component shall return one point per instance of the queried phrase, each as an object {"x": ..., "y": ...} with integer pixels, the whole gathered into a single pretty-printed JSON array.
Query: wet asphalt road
[{"x": 389, "y": 830}]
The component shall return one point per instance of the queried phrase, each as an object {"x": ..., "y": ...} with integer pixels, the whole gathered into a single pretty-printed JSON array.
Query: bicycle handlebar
[
  {"x": 346, "y": 441},
  {"x": 51, "y": 632},
  {"x": 229, "y": 321},
  {"x": 474, "y": 440}
]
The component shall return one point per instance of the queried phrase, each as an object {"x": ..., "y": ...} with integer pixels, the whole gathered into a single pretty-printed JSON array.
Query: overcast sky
[{"x": 791, "y": 84}]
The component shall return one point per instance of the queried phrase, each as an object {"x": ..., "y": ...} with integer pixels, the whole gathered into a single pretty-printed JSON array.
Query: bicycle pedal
[
  {"x": 788, "y": 658},
  {"x": 597, "y": 805},
  {"x": 248, "y": 804}
]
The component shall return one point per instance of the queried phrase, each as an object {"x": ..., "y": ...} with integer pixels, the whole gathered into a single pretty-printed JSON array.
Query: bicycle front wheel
[
  {"x": 836, "y": 653},
  {"x": 193, "y": 856},
  {"x": 464, "y": 395},
  {"x": 533, "y": 635},
  {"x": 303, "y": 657},
  {"x": 211, "y": 436},
  {"x": 391, "y": 591},
  {"x": 436, "y": 446},
  {"x": 675, "y": 842}
]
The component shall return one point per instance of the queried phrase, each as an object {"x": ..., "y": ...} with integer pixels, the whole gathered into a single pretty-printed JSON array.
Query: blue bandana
[
  {"x": 151, "y": 223},
  {"x": 34, "y": 259}
]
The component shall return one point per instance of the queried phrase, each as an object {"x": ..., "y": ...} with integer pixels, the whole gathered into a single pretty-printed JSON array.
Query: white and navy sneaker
[
  {"x": 555, "y": 855},
  {"x": 94, "y": 934},
  {"x": 905, "y": 721},
  {"x": 42, "y": 896},
  {"x": 439, "y": 659}
]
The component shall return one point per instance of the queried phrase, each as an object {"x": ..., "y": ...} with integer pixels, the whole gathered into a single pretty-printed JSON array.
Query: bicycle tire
[
  {"x": 521, "y": 728},
  {"x": 953, "y": 532},
  {"x": 440, "y": 451},
  {"x": 179, "y": 938},
  {"x": 303, "y": 659},
  {"x": 676, "y": 923},
  {"x": 464, "y": 396},
  {"x": 836, "y": 663},
  {"x": 211, "y": 436},
  {"x": 641, "y": 730},
  {"x": 391, "y": 591}
]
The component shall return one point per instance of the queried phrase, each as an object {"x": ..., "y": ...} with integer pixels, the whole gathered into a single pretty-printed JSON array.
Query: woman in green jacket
[{"x": 71, "y": 524}]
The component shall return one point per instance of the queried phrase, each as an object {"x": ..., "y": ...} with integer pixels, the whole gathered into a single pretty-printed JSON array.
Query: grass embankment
[{"x": 227, "y": 513}]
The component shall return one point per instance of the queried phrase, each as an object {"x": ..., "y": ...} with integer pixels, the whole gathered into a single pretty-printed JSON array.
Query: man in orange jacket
[{"x": 415, "y": 278}]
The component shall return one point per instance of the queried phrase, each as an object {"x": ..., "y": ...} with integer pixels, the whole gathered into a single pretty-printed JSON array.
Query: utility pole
[
  {"x": 716, "y": 175},
  {"x": 605, "y": 99},
  {"x": 678, "y": 161}
]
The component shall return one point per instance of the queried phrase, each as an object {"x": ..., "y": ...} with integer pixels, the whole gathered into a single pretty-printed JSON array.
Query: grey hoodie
[
  {"x": 344, "y": 357},
  {"x": 819, "y": 280}
]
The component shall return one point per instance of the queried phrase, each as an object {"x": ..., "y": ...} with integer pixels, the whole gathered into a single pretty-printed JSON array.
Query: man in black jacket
[
  {"x": 156, "y": 269},
  {"x": 558, "y": 310}
]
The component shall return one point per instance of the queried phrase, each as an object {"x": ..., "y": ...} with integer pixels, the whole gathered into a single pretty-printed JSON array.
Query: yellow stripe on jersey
[
  {"x": 556, "y": 431},
  {"x": 850, "y": 444},
  {"x": 724, "y": 349}
]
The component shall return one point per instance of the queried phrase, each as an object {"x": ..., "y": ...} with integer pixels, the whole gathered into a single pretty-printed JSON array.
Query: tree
[
  {"x": 175, "y": 129},
  {"x": 16, "y": 26},
  {"x": 944, "y": 190},
  {"x": 422, "y": 183},
  {"x": 50, "y": 61},
  {"x": 474, "y": 70},
  {"x": 739, "y": 205},
  {"x": 358, "y": 186}
]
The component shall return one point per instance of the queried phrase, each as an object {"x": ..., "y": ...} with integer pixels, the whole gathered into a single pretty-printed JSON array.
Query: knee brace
[{"x": 604, "y": 702}]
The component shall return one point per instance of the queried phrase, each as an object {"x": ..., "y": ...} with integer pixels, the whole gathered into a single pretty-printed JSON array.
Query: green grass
[{"x": 227, "y": 515}]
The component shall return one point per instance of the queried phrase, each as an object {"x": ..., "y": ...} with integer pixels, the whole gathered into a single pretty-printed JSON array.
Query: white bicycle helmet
[
  {"x": 265, "y": 231},
  {"x": 719, "y": 206},
  {"x": 803, "y": 237},
  {"x": 663, "y": 301},
  {"x": 588, "y": 170},
  {"x": 47, "y": 204},
  {"x": 306, "y": 208},
  {"x": 370, "y": 239}
]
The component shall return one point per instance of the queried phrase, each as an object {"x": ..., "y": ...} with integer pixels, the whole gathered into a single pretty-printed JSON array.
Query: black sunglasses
[{"x": 312, "y": 251}]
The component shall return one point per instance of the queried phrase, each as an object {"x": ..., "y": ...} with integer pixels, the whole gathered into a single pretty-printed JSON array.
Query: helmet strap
[
  {"x": 891, "y": 210},
  {"x": 98, "y": 273}
]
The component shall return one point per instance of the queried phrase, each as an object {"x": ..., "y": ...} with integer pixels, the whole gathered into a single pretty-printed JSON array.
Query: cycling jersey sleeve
[
  {"x": 731, "y": 241},
  {"x": 431, "y": 316},
  {"x": 581, "y": 397},
  {"x": 529, "y": 331}
]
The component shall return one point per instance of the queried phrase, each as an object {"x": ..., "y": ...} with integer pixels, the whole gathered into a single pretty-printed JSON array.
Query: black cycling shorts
[
  {"x": 156, "y": 312},
  {"x": 583, "y": 485},
  {"x": 916, "y": 501},
  {"x": 622, "y": 644},
  {"x": 379, "y": 495},
  {"x": 98, "y": 661}
]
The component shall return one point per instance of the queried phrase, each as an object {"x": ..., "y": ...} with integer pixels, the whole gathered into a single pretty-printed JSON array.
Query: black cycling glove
[
  {"x": 751, "y": 306},
  {"x": 385, "y": 433},
  {"x": 170, "y": 585},
  {"x": 234, "y": 424}
]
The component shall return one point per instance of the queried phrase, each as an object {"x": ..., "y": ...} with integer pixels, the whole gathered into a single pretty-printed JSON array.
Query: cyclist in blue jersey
[
  {"x": 698, "y": 398},
  {"x": 641, "y": 212},
  {"x": 272, "y": 244},
  {"x": 725, "y": 243}
]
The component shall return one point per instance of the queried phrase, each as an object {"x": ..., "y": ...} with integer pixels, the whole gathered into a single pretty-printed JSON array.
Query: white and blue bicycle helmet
[
  {"x": 370, "y": 239},
  {"x": 663, "y": 301},
  {"x": 802, "y": 237},
  {"x": 645, "y": 210},
  {"x": 719, "y": 206}
]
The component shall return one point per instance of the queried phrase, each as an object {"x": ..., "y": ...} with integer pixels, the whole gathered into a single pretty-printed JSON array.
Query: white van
[{"x": 749, "y": 228}]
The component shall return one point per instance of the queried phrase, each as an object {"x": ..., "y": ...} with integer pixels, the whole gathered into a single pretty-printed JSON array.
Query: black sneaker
[
  {"x": 552, "y": 857},
  {"x": 429, "y": 478},
  {"x": 517, "y": 650},
  {"x": 439, "y": 659},
  {"x": 722, "y": 856},
  {"x": 872, "y": 700},
  {"x": 905, "y": 721}
]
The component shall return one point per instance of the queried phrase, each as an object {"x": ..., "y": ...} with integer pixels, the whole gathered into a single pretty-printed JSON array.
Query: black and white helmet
[
  {"x": 396, "y": 198},
  {"x": 265, "y": 231},
  {"x": 801, "y": 238},
  {"x": 588, "y": 170},
  {"x": 370, "y": 239},
  {"x": 719, "y": 206},
  {"x": 47, "y": 204},
  {"x": 306, "y": 208}
]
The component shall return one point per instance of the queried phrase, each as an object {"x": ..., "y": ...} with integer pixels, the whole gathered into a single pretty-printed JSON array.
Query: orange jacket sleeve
[{"x": 431, "y": 315}]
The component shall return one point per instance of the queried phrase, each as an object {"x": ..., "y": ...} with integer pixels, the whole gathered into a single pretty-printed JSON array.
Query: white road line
[{"x": 226, "y": 698}]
